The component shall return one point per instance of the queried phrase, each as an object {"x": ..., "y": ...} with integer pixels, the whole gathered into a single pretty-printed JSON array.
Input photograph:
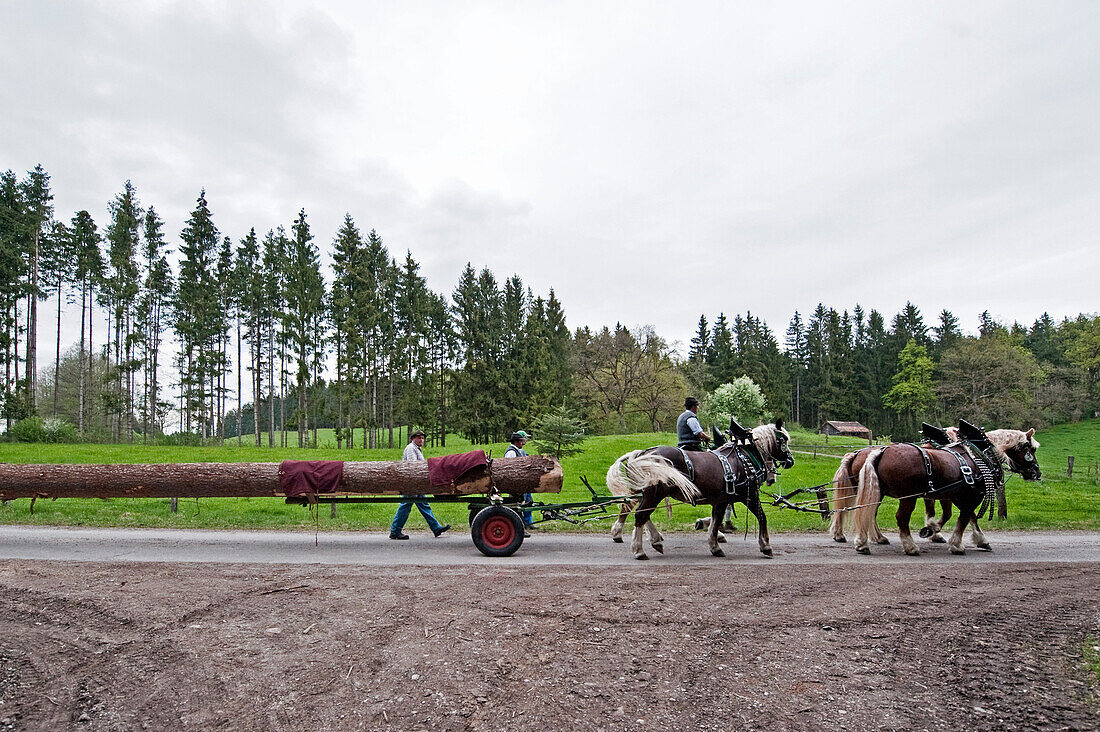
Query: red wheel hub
[{"x": 498, "y": 532}]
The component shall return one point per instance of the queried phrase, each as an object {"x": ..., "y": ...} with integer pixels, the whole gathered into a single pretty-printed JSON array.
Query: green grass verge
[{"x": 1057, "y": 502}]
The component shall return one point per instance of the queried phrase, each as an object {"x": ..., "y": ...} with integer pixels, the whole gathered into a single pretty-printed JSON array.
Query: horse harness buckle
[
  {"x": 966, "y": 470},
  {"x": 729, "y": 474}
]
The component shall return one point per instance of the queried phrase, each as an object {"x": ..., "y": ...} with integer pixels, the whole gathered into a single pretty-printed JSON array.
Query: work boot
[
  {"x": 401, "y": 535},
  {"x": 441, "y": 529}
]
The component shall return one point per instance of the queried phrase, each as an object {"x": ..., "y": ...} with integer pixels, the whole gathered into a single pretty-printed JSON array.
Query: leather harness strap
[{"x": 688, "y": 463}]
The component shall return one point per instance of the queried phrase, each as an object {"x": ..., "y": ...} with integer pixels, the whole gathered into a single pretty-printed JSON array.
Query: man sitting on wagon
[{"x": 689, "y": 433}]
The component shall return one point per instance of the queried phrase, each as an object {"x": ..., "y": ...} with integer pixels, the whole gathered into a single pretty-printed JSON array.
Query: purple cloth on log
[
  {"x": 310, "y": 477},
  {"x": 448, "y": 469}
]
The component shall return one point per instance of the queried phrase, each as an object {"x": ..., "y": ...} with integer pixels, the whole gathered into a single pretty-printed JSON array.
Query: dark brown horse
[
  {"x": 663, "y": 472},
  {"x": 1017, "y": 452},
  {"x": 908, "y": 472}
]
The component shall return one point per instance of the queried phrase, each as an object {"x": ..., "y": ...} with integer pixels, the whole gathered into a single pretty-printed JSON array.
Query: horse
[
  {"x": 908, "y": 472},
  {"x": 698, "y": 477},
  {"x": 844, "y": 493},
  {"x": 1017, "y": 447}
]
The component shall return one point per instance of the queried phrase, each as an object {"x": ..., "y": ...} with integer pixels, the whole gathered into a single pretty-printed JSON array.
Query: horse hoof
[
  {"x": 938, "y": 539},
  {"x": 863, "y": 549},
  {"x": 641, "y": 556},
  {"x": 702, "y": 523},
  {"x": 957, "y": 550},
  {"x": 717, "y": 552},
  {"x": 721, "y": 538},
  {"x": 840, "y": 540},
  {"x": 659, "y": 548},
  {"x": 882, "y": 540},
  {"x": 617, "y": 539},
  {"x": 766, "y": 551},
  {"x": 913, "y": 552},
  {"x": 985, "y": 547},
  {"x": 925, "y": 532}
]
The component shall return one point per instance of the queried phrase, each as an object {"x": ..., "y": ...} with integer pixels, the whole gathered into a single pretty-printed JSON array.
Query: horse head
[
  {"x": 773, "y": 442},
  {"x": 1019, "y": 448}
]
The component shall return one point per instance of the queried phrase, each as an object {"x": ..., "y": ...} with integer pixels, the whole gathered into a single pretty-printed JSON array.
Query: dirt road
[{"x": 931, "y": 642}]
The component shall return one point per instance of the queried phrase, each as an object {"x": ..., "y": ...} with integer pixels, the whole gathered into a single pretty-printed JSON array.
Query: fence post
[
  {"x": 1069, "y": 467},
  {"x": 175, "y": 505},
  {"x": 333, "y": 513}
]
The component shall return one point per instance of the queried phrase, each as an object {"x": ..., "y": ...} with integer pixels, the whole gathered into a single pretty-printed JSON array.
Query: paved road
[{"x": 456, "y": 548}]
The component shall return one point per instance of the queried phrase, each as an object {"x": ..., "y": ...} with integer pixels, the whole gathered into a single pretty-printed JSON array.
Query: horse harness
[
  {"x": 754, "y": 470},
  {"x": 991, "y": 474}
]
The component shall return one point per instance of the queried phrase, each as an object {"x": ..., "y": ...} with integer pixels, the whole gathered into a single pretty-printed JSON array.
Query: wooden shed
[{"x": 848, "y": 429}]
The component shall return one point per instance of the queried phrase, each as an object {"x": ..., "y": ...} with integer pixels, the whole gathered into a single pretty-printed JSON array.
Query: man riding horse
[{"x": 689, "y": 433}]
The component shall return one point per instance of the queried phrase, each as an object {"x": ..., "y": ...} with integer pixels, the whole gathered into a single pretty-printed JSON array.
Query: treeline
[
  {"x": 214, "y": 338},
  {"x": 259, "y": 341},
  {"x": 853, "y": 366}
]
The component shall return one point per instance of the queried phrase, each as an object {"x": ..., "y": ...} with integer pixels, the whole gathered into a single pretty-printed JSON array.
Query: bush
[
  {"x": 36, "y": 429},
  {"x": 740, "y": 399}
]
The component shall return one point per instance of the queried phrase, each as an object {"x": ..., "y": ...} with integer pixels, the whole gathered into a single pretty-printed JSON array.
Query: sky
[{"x": 650, "y": 162}]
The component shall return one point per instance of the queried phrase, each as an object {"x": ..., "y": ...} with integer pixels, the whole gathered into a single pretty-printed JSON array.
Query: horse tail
[
  {"x": 617, "y": 483},
  {"x": 635, "y": 471},
  {"x": 869, "y": 495},
  {"x": 843, "y": 494}
]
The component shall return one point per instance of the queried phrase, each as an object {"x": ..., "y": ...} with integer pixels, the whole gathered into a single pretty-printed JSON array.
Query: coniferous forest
[{"x": 208, "y": 336}]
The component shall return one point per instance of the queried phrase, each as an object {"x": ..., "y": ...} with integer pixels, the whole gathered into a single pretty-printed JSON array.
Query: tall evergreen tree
[
  {"x": 197, "y": 317},
  {"x": 89, "y": 273},
  {"x": 303, "y": 291},
  {"x": 38, "y": 212},
  {"x": 121, "y": 288}
]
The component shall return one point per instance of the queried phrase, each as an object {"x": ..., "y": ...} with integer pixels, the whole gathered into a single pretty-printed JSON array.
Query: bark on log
[{"x": 532, "y": 474}]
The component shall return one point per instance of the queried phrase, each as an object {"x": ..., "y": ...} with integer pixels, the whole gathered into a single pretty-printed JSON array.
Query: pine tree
[
  {"x": 121, "y": 288},
  {"x": 197, "y": 317},
  {"x": 303, "y": 291},
  {"x": 89, "y": 273},
  {"x": 38, "y": 212},
  {"x": 57, "y": 264}
]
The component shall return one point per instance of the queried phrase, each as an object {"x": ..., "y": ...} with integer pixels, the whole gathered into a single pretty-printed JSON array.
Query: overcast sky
[{"x": 649, "y": 161}]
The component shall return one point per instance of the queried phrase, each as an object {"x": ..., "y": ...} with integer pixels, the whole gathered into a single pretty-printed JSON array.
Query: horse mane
[
  {"x": 765, "y": 436},
  {"x": 1004, "y": 439}
]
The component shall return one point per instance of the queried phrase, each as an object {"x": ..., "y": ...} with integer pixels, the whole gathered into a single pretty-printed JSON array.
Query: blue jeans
[
  {"x": 405, "y": 508},
  {"x": 528, "y": 517}
]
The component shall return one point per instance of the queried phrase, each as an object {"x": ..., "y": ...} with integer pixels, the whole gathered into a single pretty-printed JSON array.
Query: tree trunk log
[{"x": 533, "y": 474}]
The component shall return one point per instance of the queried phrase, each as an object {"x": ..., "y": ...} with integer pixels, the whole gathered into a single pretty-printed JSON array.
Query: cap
[
  {"x": 520, "y": 435},
  {"x": 418, "y": 433}
]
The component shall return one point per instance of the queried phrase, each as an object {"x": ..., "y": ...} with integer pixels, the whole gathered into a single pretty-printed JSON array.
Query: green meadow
[{"x": 1057, "y": 502}]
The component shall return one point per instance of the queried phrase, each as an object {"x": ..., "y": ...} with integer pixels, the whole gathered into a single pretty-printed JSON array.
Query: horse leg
[
  {"x": 753, "y": 504},
  {"x": 620, "y": 522},
  {"x": 727, "y": 519},
  {"x": 712, "y": 536},
  {"x": 655, "y": 537},
  {"x": 641, "y": 518},
  {"x": 905, "y": 511},
  {"x": 936, "y": 526},
  {"x": 966, "y": 514},
  {"x": 978, "y": 537}
]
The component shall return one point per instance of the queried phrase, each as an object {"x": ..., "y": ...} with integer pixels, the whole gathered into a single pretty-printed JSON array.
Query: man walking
[
  {"x": 412, "y": 453},
  {"x": 515, "y": 449}
]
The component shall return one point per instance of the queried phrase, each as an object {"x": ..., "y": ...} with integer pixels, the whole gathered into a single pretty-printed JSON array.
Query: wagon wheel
[{"x": 497, "y": 531}]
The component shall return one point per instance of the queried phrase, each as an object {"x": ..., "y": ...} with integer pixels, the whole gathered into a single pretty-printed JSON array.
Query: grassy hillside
[{"x": 1056, "y": 502}]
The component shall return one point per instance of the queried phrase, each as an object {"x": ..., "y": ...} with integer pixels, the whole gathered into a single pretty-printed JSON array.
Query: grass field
[{"x": 1057, "y": 502}]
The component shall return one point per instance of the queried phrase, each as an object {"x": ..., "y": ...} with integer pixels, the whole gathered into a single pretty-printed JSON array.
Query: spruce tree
[
  {"x": 37, "y": 211},
  {"x": 197, "y": 316},
  {"x": 303, "y": 292}
]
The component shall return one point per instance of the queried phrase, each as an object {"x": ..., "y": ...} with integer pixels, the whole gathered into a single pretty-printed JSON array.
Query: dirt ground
[{"x": 106, "y": 646}]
